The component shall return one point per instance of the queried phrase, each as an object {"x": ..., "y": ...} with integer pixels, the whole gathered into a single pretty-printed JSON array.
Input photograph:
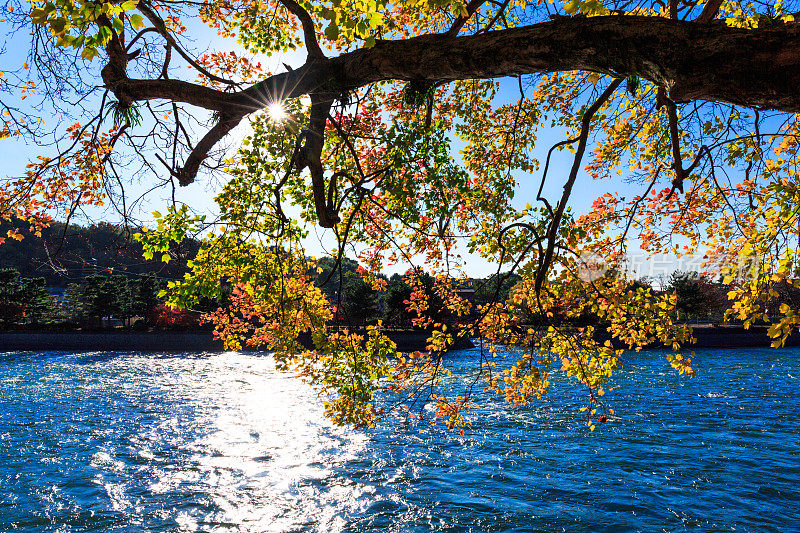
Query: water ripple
[{"x": 133, "y": 442}]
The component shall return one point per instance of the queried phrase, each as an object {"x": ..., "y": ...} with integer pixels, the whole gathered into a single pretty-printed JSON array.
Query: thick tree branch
[
  {"x": 310, "y": 155},
  {"x": 309, "y": 33},
  {"x": 226, "y": 123},
  {"x": 749, "y": 67}
]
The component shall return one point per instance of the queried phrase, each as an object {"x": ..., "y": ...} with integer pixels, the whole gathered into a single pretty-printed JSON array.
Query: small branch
[
  {"x": 680, "y": 173},
  {"x": 167, "y": 58},
  {"x": 471, "y": 8},
  {"x": 672, "y": 113},
  {"x": 500, "y": 11},
  {"x": 552, "y": 232},
  {"x": 709, "y": 11},
  {"x": 139, "y": 35},
  {"x": 161, "y": 28}
]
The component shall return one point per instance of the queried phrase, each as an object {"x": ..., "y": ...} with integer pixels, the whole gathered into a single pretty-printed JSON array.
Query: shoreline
[
  {"x": 163, "y": 341},
  {"x": 407, "y": 341}
]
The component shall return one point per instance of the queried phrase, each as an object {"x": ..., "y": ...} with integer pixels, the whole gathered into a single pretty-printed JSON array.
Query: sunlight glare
[{"x": 276, "y": 112}]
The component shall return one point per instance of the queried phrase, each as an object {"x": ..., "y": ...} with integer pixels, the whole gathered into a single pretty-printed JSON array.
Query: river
[{"x": 116, "y": 441}]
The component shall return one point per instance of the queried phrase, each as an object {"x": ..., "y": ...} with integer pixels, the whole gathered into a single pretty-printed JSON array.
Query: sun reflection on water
[{"x": 265, "y": 456}]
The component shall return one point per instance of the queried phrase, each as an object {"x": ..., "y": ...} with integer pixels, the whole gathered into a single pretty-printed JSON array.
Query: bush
[{"x": 162, "y": 316}]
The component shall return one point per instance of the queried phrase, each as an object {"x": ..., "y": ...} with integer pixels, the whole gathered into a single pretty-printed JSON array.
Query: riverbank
[
  {"x": 711, "y": 336},
  {"x": 161, "y": 341},
  {"x": 736, "y": 337},
  {"x": 203, "y": 341}
]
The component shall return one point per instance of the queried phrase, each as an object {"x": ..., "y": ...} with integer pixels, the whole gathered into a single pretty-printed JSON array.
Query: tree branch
[
  {"x": 552, "y": 232},
  {"x": 187, "y": 174},
  {"x": 471, "y": 8},
  {"x": 761, "y": 67},
  {"x": 161, "y": 28},
  {"x": 310, "y": 155},
  {"x": 750, "y": 67},
  {"x": 309, "y": 33},
  {"x": 710, "y": 11}
]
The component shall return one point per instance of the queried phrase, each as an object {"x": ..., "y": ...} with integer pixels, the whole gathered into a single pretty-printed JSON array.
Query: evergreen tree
[
  {"x": 11, "y": 307},
  {"x": 146, "y": 290},
  {"x": 698, "y": 297},
  {"x": 397, "y": 293},
  {"x": 101, "y": 297},
  {"x": 35, "y": 299},
  {"x": 72, "y": 306}
]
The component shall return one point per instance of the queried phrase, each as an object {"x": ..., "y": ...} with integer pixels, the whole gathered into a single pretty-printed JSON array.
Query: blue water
[{"x": 134, "y": 442}]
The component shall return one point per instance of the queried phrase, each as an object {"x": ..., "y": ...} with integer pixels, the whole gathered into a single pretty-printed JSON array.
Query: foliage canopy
[{"x": 691, "y": 104}]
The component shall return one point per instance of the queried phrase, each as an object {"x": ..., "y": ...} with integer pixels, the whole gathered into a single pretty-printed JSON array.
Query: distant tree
[
  {"x": 72, "y": 307},
  {"x": 487, "y": 290},
  {"x": 395, "y": 299},
  {"x": 22, "y": 299},
  {"x": 783, "y": 292},
  {"x": 35, "y": 299},
  {"x": 126, "y": 304},
  {"x": 357, "y": 302},
  {"x": 698, "y": 296},
  {"x": 11, "y": 307},
  {"x": 63, "y": 254},
  {"x": 146, "y": 290},
  {"x": 101, "y": 297}
]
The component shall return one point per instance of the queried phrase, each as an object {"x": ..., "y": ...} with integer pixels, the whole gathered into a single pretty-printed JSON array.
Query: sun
[{"x": 276, "y": 112}]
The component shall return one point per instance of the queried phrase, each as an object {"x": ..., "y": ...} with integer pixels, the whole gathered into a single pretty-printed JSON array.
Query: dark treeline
[
  {"x": 359, "y": 304},
  {"x": 98, "y": 300},
  {"x": 110, "y": 299},
  {"x": 95, "y": 276},
  {"x": 67, "y": 254},
  {"x": 92, "y": 276}
]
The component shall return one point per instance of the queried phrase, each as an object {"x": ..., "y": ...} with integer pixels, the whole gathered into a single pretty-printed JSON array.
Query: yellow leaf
[{"x": 572, "y": 6}]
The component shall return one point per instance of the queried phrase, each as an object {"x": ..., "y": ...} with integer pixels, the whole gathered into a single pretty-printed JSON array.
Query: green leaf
[
  {"x": 39, "y": 16},
  {"x": 136, "y": 21},
  {"x": 104, "y": 33},
  {"x": 58, "y": 25},
  {"x": 90, "y": 52},
  {"x": 572, "y": 6},
  {"x": 129, "y": 5},
  {"x": 332, "y": 31}
]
